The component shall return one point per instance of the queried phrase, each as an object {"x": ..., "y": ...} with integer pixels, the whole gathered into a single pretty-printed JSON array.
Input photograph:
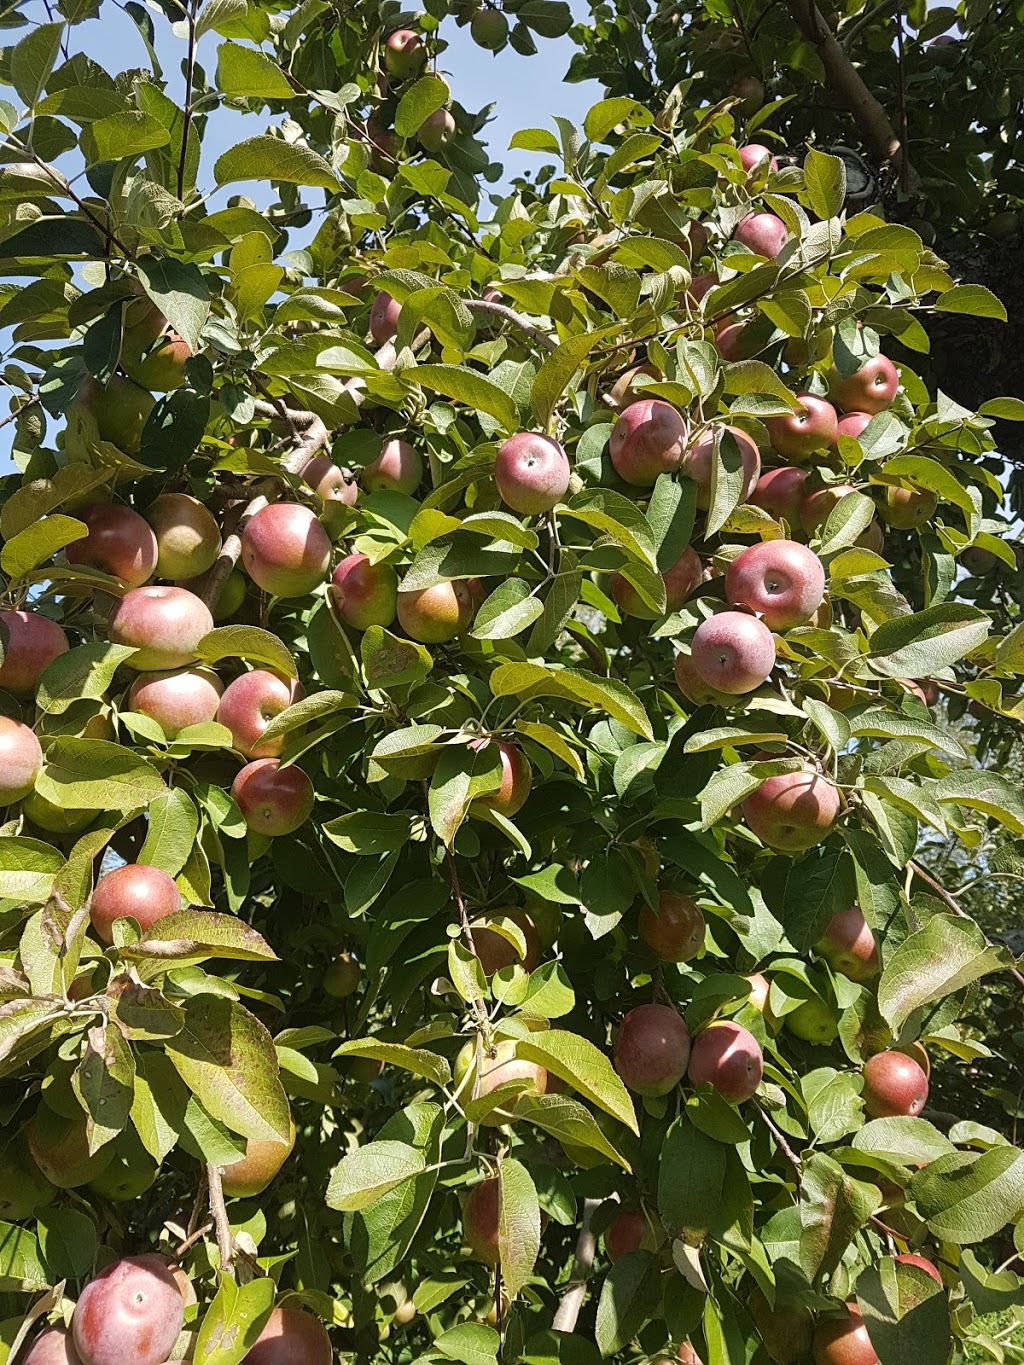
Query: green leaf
[
  {"x": 85, "y": 671},
  {"x": 572, "y": 684},
  {"x": 247, "y": 73},
  {"x": 905, "y": 1311},
  {"x": 416, "y": 1060},
  {"x": 534, "y": 140},
  {"x": 234, "y": 1320},
  {"x": 104, "y": 1083},
  {"x": 34, "y": 546},
  {"x": 629, "y": 1296},
  {"x": 171, "y": 831},
  {"x": 918, "y": 646},
  {"x": 466, "y": 972},
  {"x": 988, "y": 792},
  {"x": 27, "y": 869},
  {"x": 269, "y": 158},
  {"x": 691, "y": 1173},
  {"x": 569, "y": 1121},
  {"x": 158, "y": 1107},
  {"x": 94, "y": 774},
  {"x": 470, "y": 387},
  {"x": 461, "y": 775},
  {"x": 584, "y": 1066},
  {"x": 123, "y": 136},
  {"x": 370, "y": 832},
  {"x": 606, "y": 114},
  {"x": 179, "y": 290},
  {"x": 393, "y": 1220},
  {"x": 833, "y": 1209},
  {"x": 967, "y": 1197},
  {"x": 418, "y": 102},
  {"x": 389, "y": 661},
  {"x": 616, "y": 517},
  {"x": 938, "y": 960},
  {"x": 510, "y": 609},
  {"x": 903, "y": 1139},
  {"x": 246, "y": 642},
  {"x": 556, "y": 372},
  {"x": 21, "y": 1261},
  {"x": 471, "y": 1343},
  {"x": 199, "y": 934},
  {"x": 370, "y": 1172},
  {"x": 973, "y": 299},
  {"x": 31, "y": 61},
  {"x": 67, "y": 1239},
  {"x": 518, "y": 1224},
  {"x": 825, "y": 183}
]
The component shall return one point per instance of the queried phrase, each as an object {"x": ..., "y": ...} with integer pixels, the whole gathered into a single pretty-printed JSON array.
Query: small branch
[
  {"x": 219, "y": 1212},
  {"x": 500, "y": 310},
  {"x": 902, "y": 96},
  {"x": 13, "y": 417},
  {"x": 191, "y": 1240},
  {"x": 568, "y": 1310},
  {"x": 918, "y": 871},
  {"x": 190, "y": 71},
  {"x": 783, "y": 1145}
]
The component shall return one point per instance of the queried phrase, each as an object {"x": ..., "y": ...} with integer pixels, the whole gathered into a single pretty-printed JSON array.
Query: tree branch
[
  {"x": 13, "y": 417},
  {"x": 190, "y": 71},
  {"x": 568, "y": 1310},
  {"x": 500, "y": 310},
  {"x": 219, "y": 1213}
]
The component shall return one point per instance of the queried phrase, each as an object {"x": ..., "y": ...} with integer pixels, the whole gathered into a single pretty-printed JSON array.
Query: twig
[
  {"x": 500, "y": 310},
  {"x": 902, "y": 96},
  {"x": 568, "y": 1310},
  {"x": 944, "y": 896},
  {"x": 191, "y": 1240},
  {"x": 219, "y": 1212},
  {"x": 13, "y": 417},
  {"x": 190, "y": 71},
  {"x": 783, "y": 1145},
  {"x": 868, "y": 17}
]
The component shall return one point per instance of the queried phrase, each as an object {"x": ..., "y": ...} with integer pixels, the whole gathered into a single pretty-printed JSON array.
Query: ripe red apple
[
  {"x": 531, "y": 472},
  {"x": 699, "y": 287},
  {"x": 251, "y": 1174},
  {"x": 793, "y": 811},
  {"x": 753, "y": 154},
  {"x": 922, "y": 1263},
  {"x": 285, "y": 550},
  {"x": 781, "y": 493},
  {"x": 342, "y": 977},
  {"x": 187, "y": 537},
  {"x": 686, "y": 1355},
  {"x": 693, "y": 686},
  {"x": 153, "y": 354},
  {"x": 819, "y": 505},
  {"x": 436, "y": 131},
  {"x": 29, "y": 643},
  {"x": 495, "y": 951},
  {"x": 736, "y": 341},
  {"x": 676, "y": 932},
  {"x": 21, "y": 760},
  {"x": 849, "y": 946},
  {"x": 132, "y": 1311},
  {"x": 844, "y": 1341},
  {"x": 783, "y": 581},
  {"x": 729, "y": 1057},
  {"x": 176, "y": 700},
  {"x": 623, "y": 392},
  {"x": 652, "y": 1048},
  {"x": 119, "y": 542},
  {"x": 797, "y": 435},
  {"x": 905, "y": 509},
  {"x": 480, "y": 1211},
  {"x": 626, "y": 1234},
  {"x": 120, "y": 410},
  {"x": 273, "y": 800},
  {"x": 698, "y": 457},
  {"x": 489, "y": 29},
  {"x": 851, "y": 424},
  {"x": 145, "y": 893},
  {"x": 919, "y": 1053},
  {"x": 163, "y": 624},
  {"x": 364, "y": 594},
  {"x": 698, "y": 237},
  {"x": 648, "y": 439},
  {"x": 684, "y": 576},
  {"x": 516, "y": 780},
  {"x": 248, "y": 706},
  {"x": 384, "y": 313},
  {"x": 436, "y": 614},
  {"x": 894, "y": 1085},
  {"x": 398, "y": 467},
  {"x": 762, "y": 233},
  {"x": 733, "y": 652},
  {"x": 495, "y": 1072},
  {"x": 291, "y": 1337},
  {"x": 329, "y": 483},
  {"x": 55, "y": 1346},
  {"x": 870, "y": 389}
]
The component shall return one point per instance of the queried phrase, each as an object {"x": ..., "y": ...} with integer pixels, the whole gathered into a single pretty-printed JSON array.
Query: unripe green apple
[{"x": 489, "y": 29}]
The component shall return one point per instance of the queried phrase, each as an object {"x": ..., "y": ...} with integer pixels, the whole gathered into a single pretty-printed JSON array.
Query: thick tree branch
[
  {"x": 568, "y": 1310},
  {"x": 219, "y": 1213}
]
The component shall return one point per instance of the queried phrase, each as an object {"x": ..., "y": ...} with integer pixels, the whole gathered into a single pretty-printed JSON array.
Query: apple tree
[{"x": 489, "y": 686}]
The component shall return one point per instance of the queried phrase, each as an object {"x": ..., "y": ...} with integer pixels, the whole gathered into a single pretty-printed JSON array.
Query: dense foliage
[{"x": 491, "y": 696}]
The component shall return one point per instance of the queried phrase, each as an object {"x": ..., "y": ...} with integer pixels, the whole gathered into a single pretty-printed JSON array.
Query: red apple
[
  {"x": 480, "y": 1220},
  {"x": 648, "y": 439},
  {"x": 676, "y": 932},
  {"x": 55, "y": 1346},
  {"x": 119, "y": 542},
  {"x": 384, "y": 313},
  {"x": 870, "y": 389},
  {"x": 436, "y": 614},
  {"x": 176, "y": 700},
  {"x": 819, "y": 505},
  {"x": 849, "y": 946},
  {"x": 153, "y": 354},
  {"x": 793, "y": 811},
  {"x": 29, "y": 643},
  {"x": 285, "y": 550},
  {"x": 733, "y": 652},
  {"x": 131, "y": 1312},
  {"x": 652, "y": 1048},
  {"x": 626, "y": 1234},
  {"x": 21, "y": 760},
  {"x": 727, "y": 1056},
  {"x": 843, "y": 1341},
  {"x": 436, "y": 131},
  {"x": 405, "y": 54},
  {"x": 273, "y": 800},
  {"x": 799, "y": 434},
  {"x": 248, "y": 706},
  {"x": 328, "y": 482},
  {"x": 781, "y": 493},
  {"x": 851, "y": 424},
  {"x": 187, "y": 537},
  {"x": 398, "y": 467},
  {"x": 252, "y": 1173},
  {"x": 922, "y": 1263},
  {"x": 783, "y": 581},
  {"x": 736, "y": 341},
  {"x": 291, "y": 1337},
  {"x": 497, "y": 1070},
  {"x": 163, "y": 624},
  {"x": 693, "y": 686},
  {"x": 698, "y": 288},
  {"x": 623, "y": 392},
  {"x": 698, "y": 457},
  {"x": 516, "y": 780},
  {"x": 364, "y": 594},
  {"x": 753, "y": 154},
  {"x": 762, "y": 233},
  {"x": 495, "y": 951},
  {"x": 531, "y": 472},
  {"x": 684, "y": 576},
  {"x": 894, "y": 1085},
  {"x": 145, "y": 893}
]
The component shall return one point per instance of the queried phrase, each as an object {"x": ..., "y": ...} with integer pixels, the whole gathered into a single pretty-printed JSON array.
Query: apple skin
[
  {"x": 793, "y": 811},
  {"x": 329, "y": 482},
  {"x": 693, "y": 686},
  {"x": 55, "y": 819},
  {"x": 55, "y": 1346},
  {"x": 480, "y": 1212},
  {"x": 648, "y": 439},
  {"x": 781, "y": 493},
  {"x": 851, "y": 424},
  {"x": 495, "y": 1072},
  {"x": 60, "y": 1149},
  {"x": 753, "y": 154},
  {"x": 398, "y": 467},
  {"x": 676, "y": 932},
  {"x": 783, "y": 581},
  {"x": 436, "y": 131},
  {"x": 516, "y": 780},
  {"x": 285, "y": 550},
  {"x": 749, "y": 90},
  {"x": 273, "y": 800},
  {"x": 119, "y": 542},
  {"x": 819, "y": 505},
  {"x": 799, "y": 434},
  {"x": 291, "y": 1337},
  {"x": 652, "y": 1048},
  {"x": 733, "y": 341},
  {"x": 364, "y": 594},
  {"x": 686, "y": 1355},
  {"x": 785, "y": 1332},
  {"x": 153, "y": 354},
  {"x": 384, "y": 313},
  {"x": 145, "y": 893},
  {"x": 187, "y": 537},
  {"x": 870, "y": 389},
  {"x": 30, "y": 644},
  {"x": 729, "y": 1057},
  {"x": 120, "y": 409},
  {"x": 922, "y": 1263},
  {"x": 251, "y": 1174},
  {"x": 176, "y": 700},
  {"x": 905, "y": 509},
  {"x": 21, "y": 760},
  {"x": 496, "y": 952},
  {"x": 813, "y": 1022},
  {"x": 849, "y": 946},
  {"x": 489, "y": 29},
  {"x": 531, "y": 472},
  {"x": 164, "y": 624},
  {"x": 976, "y": 560},
  {"x": 248, "y": 706},
  {"x": 733, "y": 652},
  {"x": 623, "y": 393},
  {"x": 843, "y": 1341},
  {"x": 894, "y": 1085},
  {"x": 405, "y": 54},
  {"x": 681, "y": 579},
  {"x": 437, "y": 614},
  {"x": 342, "y": 977},
  {"x": 625, "y": 1234},
  {"x": 918, "y": 1052},
  {"x": 762, "y": 233},
  {"x": 699, "y": 287},
  {"x": 697, "y": 464},
  {"x": 131, "y": 1311}
]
